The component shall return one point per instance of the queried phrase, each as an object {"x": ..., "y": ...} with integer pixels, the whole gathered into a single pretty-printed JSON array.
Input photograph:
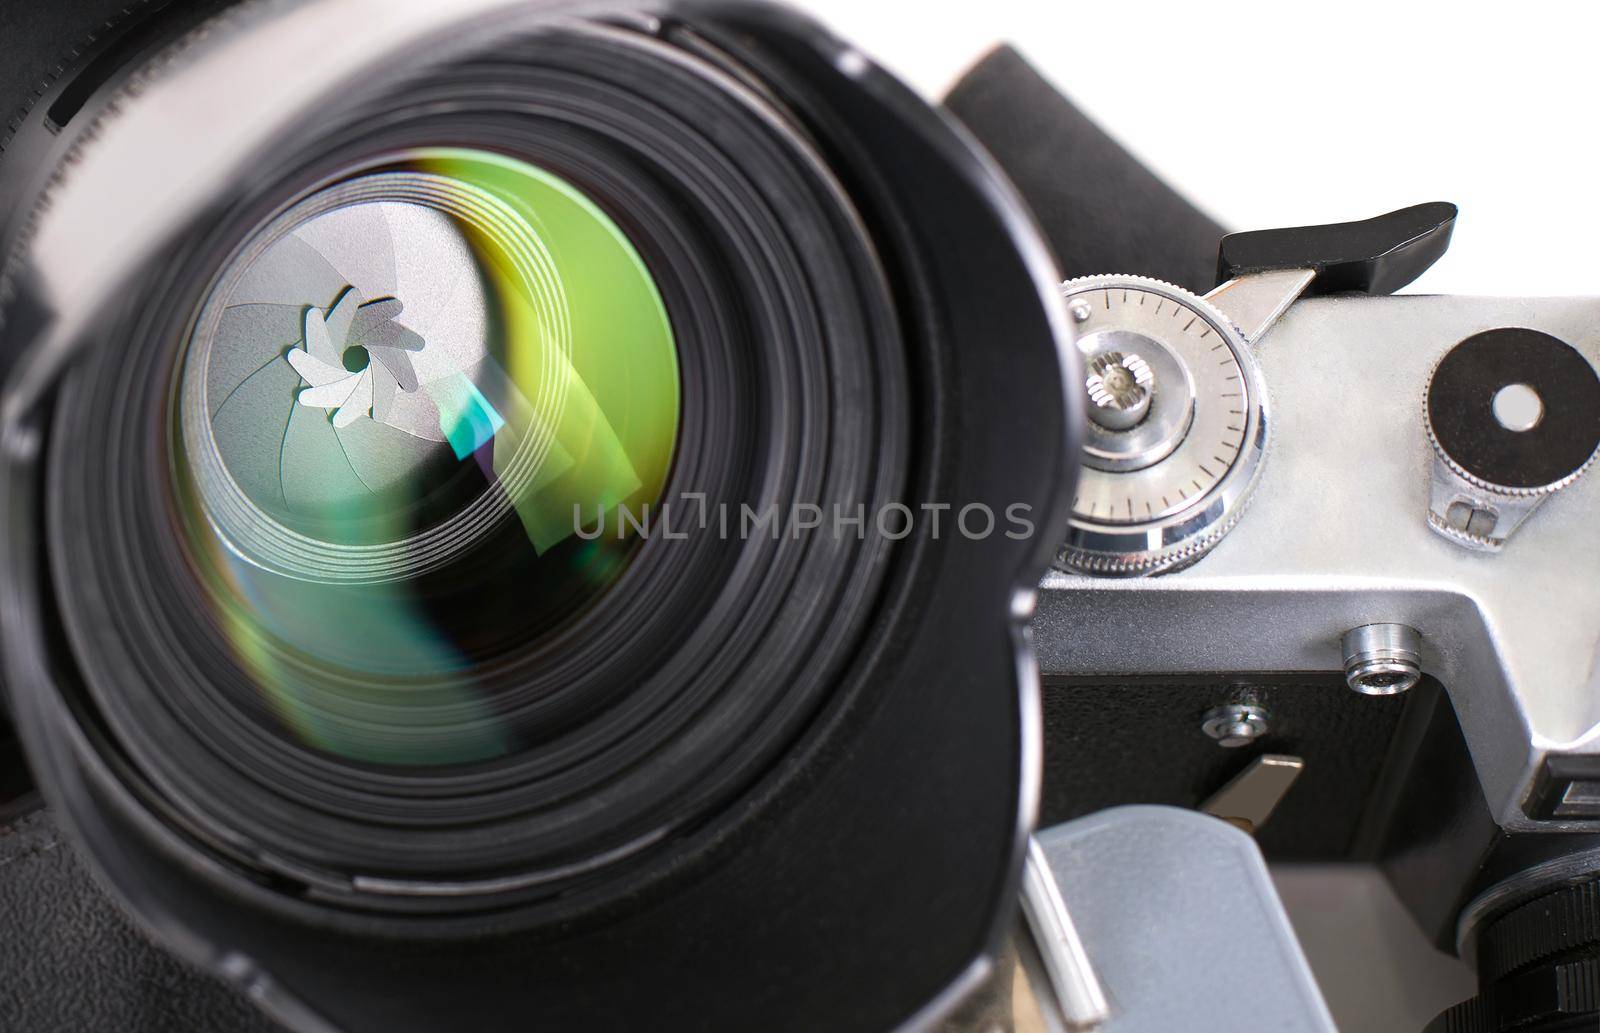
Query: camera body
[
  {"x": 1363, "y": 518},
  {"x": 1384, "y": 617}
]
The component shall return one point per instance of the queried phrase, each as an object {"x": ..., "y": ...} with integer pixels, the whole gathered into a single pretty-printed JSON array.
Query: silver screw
[
  {"x": 1081, "y": 311},
  {"x": 1235, "y": 724},
  {"x": 1382, "y": 659}
]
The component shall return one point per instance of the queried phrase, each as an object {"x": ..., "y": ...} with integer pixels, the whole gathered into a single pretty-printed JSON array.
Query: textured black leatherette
[{"x": 71, "y": 962}]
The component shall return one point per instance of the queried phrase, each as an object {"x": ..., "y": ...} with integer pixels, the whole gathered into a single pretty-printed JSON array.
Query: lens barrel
[
  {"x": 1538, "y": 967},
  {"x": 445, "y": 526}
]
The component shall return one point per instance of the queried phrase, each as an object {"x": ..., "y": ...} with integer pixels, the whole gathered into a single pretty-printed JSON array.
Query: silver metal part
[
  {"x": 1250, "y": 797},
  {"x": 1078, "y": 994},
  {"x": 1156, "y": 493},
  {"x": 1235, "y": 724},
  {"x": 1333, "y": 543},
  {"x": 1472, "y": 515},
  {"x": 1183, "y": 924},
  {"x": 1154, "y": 421},
  {"x": 1256, "y": 301},
  {"x": 1382, "y": 659},
  {"x": 1119, "y": 389}
]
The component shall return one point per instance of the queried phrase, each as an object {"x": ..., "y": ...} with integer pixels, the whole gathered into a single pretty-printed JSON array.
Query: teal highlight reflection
[{"x": 468, "y": 419}]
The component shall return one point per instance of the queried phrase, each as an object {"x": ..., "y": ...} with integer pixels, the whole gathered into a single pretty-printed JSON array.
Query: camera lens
[
  {"x": 393, "y": 593},
  {"x": 448, "y": 543}
]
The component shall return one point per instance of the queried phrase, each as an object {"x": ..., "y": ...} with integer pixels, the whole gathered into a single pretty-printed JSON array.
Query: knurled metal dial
[
  {"x": 1177, "y": 427},
  {"x": 1513, "y": 416}
]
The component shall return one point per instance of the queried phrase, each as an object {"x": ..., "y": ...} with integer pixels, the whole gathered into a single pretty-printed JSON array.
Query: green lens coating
[{"x": 401, "y": 401}]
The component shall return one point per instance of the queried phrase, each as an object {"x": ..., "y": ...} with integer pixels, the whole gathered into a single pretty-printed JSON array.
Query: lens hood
[{"x": 760, "y": 780}]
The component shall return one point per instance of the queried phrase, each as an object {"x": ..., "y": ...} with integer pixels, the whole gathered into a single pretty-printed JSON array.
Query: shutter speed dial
[{"x": 1177, "y": 422}]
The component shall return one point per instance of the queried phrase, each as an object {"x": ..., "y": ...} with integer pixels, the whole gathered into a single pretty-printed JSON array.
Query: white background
[{"x": 1285, "y": 113}]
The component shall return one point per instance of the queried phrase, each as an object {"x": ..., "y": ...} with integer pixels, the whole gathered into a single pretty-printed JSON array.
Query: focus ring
[
  {"x": 1559, "y": 922},
  {"x": 1558, "y": 999}
]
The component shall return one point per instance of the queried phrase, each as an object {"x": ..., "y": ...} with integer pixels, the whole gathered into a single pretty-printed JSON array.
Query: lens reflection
[{"x": 395, "y": 399}]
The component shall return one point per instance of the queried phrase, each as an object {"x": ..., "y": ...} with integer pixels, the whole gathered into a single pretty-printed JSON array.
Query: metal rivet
[{"x": 1235, "y": 724}]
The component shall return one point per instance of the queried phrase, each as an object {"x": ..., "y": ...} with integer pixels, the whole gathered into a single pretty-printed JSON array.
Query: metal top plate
[{"x": 1336, "y": 537}]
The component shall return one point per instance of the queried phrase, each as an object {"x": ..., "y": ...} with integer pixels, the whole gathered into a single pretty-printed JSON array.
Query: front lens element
[{"x": 433, "y": 376}]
